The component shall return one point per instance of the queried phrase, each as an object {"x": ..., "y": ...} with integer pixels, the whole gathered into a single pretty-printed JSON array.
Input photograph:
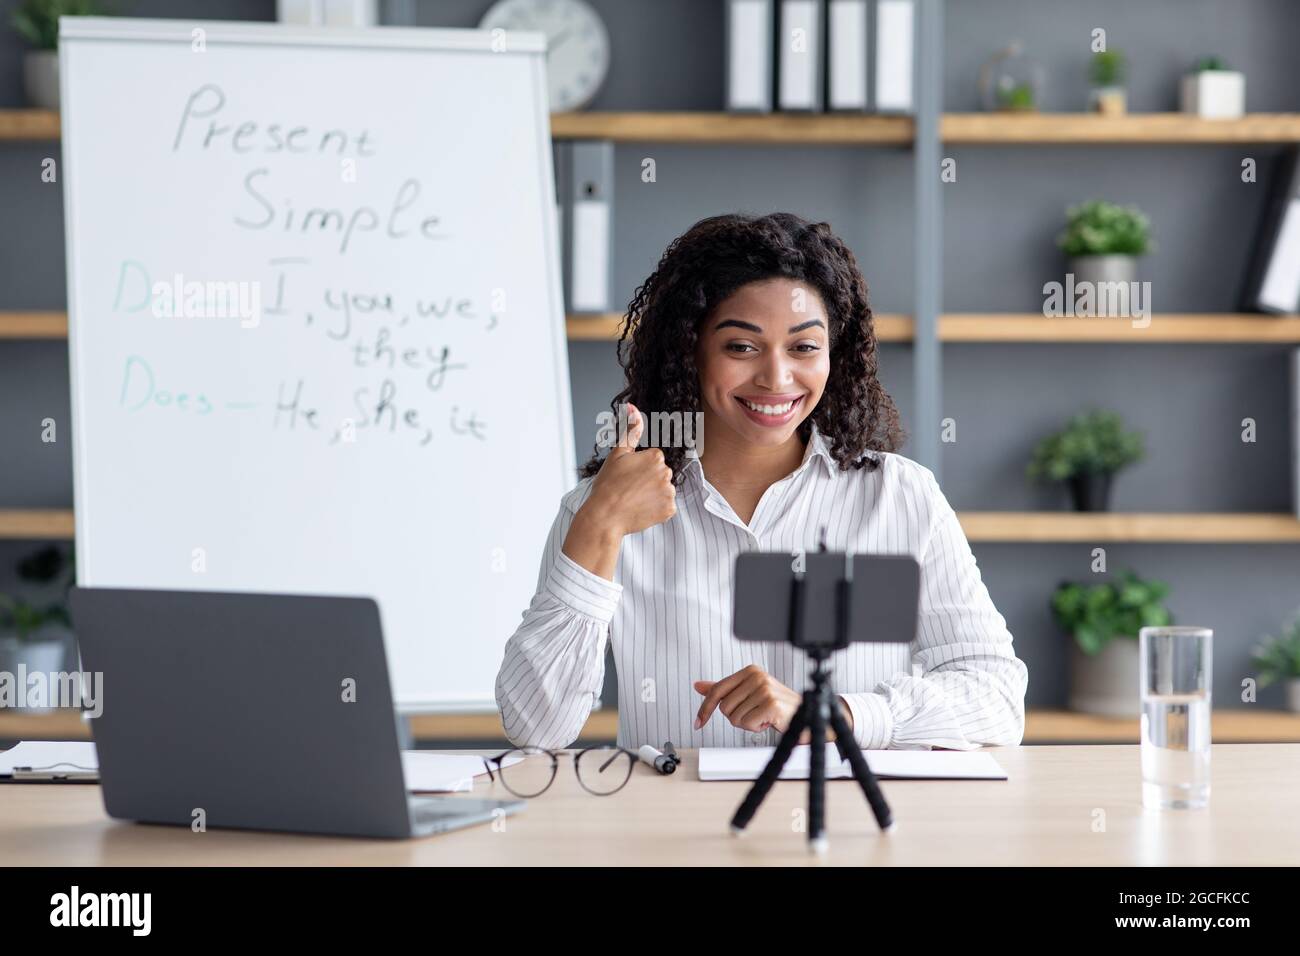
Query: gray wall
[{"x": 1000, "y": 220}]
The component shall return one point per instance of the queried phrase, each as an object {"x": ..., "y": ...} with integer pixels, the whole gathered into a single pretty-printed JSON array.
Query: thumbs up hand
[{"x": 633, "y": 489}]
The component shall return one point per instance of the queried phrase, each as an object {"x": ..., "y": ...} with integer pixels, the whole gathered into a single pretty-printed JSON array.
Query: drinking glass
[{"x": 1175, "y": 667}]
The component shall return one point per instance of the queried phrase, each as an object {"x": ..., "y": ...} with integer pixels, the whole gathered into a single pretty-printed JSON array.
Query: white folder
[{"x": 895, "y": 33}]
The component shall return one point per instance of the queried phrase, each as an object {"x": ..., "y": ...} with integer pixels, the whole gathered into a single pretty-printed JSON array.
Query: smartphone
[{"x": 883, "y": 597}]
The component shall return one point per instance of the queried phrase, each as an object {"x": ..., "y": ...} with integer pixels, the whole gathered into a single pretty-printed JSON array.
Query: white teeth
[{"x": 770, "y": 409}]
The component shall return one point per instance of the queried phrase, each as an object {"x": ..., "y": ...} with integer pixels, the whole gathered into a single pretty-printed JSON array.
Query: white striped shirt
[{"x": 958, "y": 684}]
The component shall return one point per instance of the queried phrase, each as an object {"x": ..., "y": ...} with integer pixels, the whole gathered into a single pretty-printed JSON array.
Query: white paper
[
  {"x": 431, "y": 772},
  {"x": 56, "y": 756},
  {"x": 746, "y": 763}
]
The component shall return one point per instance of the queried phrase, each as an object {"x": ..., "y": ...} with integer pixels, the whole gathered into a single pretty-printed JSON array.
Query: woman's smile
[{"x": 773, "y": 410}]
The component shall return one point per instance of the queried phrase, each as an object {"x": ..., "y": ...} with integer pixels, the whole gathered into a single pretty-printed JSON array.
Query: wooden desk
[
  {"x": 1045, "y": 814},
  {"x": 1237, "y": 726}
]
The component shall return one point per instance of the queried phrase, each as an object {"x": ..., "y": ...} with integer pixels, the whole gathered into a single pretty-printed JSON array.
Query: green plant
[
  {"x": 25, "y": 619},
  {"x": 1096, "y": 614},
  {"x": 1101, "y": 228},
  {"x": 1017, "y": 97},
  {"x": 1107, "y": 68},
  {"x": 1091, "y": 442},
  {"x": 1210, "y": 63},
  {"x": 1278, "y": 658},
  {"x": 37, "y": 21}
]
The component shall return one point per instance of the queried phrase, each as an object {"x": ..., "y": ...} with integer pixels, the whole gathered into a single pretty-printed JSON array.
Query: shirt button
[{"x": 758, "y": 738}]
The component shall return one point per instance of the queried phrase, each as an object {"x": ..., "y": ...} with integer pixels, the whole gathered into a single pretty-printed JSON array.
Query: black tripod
[{"x": 816, "y": 713}]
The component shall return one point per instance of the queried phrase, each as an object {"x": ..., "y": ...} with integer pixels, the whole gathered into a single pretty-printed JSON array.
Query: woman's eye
[
  {"x": 807, "y": 347},
  {"x": 741, "y": 347}
]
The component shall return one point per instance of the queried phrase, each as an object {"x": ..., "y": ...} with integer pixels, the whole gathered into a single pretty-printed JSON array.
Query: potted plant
[
  {"x": 1010, "y": 81},
  {"x": 37, "y": 21},
  {"x": 1104, "y": 620},
  {"x": 1278, "y": 659},
  {"x": 1108, "y": 95},
  {"x": 1213, "y": 91},
  {"x": 1086, "y": 454},
  {"x": 1103, "y": 240},
  {"x": 34, "y": 634}
]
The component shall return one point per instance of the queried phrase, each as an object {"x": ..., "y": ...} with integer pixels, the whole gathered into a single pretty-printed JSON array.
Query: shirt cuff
[
  {"x": 873, "y": 722},
  {"x": 582, "y": 591}
]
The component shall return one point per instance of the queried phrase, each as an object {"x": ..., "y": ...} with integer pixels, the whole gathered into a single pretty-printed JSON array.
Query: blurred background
[{"x": 1000, "y": 145}]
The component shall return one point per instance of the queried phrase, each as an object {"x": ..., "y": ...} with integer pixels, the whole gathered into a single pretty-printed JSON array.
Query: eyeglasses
[{"x": 600, "y": 770}]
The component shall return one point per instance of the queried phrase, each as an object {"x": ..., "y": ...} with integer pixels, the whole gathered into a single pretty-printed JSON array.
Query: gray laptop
[{"x": 235, "y": 705}]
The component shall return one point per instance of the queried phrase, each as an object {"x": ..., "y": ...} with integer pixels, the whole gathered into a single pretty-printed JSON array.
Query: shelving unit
[
  {"x": 1095, "y": 527},
  {"x": 1203, "y": 328},
  {"x": 925, "y": 331},
  {"x": 33, "y": 325},
  {"x": 980, "y": 526},
  {"x": 988, "y": 129},
  {"x": 1134, "y": 129},
  {"x": 36, "y": 524},
  {"x": 30, "y": 125}
]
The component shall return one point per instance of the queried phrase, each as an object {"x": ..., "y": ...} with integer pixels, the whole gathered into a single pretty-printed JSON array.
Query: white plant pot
[
  {"x": 41, "y": 78},
  {"x": 1116, "y": 268},
  {"x": 1214, "y": 94},
  {"x": 1293, "y": 694},
  {"x": 1105, "y": 684},
  {"x": 44, "y": 656}
]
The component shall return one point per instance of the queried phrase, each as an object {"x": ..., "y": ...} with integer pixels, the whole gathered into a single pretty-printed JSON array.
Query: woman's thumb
[{"x": 629, "y": 439}]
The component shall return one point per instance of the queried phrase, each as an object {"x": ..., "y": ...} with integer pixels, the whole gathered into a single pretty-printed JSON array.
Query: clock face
[{"x": 577, "y": 54}]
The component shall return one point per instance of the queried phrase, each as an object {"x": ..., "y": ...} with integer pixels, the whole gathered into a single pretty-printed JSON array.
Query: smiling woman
[{"x": 762, "y": 326}]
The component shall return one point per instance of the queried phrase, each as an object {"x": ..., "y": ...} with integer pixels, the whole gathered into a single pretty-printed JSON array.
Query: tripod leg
[
  {"x": 817, "y": 772},
  {"x": 862, "y": 772},
  {"x": 773, "y": 770}
]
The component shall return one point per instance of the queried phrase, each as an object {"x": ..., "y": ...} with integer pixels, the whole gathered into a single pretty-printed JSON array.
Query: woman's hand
[
  {"x": 633, "y": 489},
  {"x": 753, "y": 700}
]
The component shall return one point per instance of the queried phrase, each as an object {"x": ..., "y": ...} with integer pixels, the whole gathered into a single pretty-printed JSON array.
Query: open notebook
[{"x": 746, "y": 763}]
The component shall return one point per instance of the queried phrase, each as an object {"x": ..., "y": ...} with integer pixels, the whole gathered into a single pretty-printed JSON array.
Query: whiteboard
[{"x": 316, "y": 326}]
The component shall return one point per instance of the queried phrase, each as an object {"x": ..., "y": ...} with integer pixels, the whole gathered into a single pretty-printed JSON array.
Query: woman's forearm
[{"x": 593, "y": 543}]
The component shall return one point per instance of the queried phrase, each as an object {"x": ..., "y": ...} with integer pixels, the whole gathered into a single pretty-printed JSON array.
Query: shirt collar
[{"x": 816, "y": 447}]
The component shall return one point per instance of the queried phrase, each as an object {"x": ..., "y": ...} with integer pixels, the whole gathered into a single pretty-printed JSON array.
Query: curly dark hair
[{"x": 705, "y": 265}]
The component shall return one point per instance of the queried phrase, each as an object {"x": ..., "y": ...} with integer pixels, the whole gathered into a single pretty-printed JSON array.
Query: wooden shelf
[
  {"x": 29, "y": 125},
  {"x": 1228, "y": 727},
  {"x": 605, "y": 327},
  {"x": 33, "y": 325},
  {"x": 1068, "y": 526},
  {"x": 766, "y": 128},
  {"x": 985, "y": 526},
  {"x": 1134, "y": 128},
  {"x": 36, "y": 524},
  {"x": 597, "y": 327},
  {"x": 1165, "y": 328},
  {"x": 688, "y": 126},
  {"x": 1041, "y": 727}
]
